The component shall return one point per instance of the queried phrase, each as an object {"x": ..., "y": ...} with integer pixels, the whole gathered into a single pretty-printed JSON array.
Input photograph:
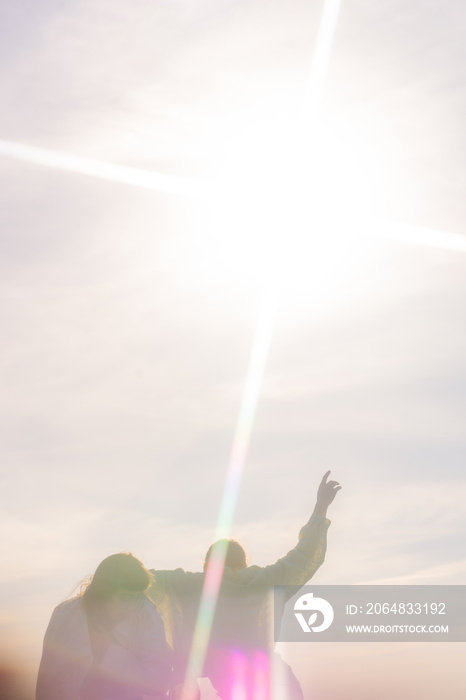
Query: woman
[{"x": 108, "y": 643}]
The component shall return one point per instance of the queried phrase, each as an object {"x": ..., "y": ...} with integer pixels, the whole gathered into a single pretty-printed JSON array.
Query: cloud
[{"x": 450, "y": 573}]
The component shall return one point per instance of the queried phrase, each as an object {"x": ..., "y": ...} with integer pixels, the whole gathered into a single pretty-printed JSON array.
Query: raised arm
[
  {"x": 325, "y": 495},
  {"x": 300, "y": 564}
]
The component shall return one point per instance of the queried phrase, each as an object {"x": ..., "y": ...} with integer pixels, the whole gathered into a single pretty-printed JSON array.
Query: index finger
[{"x": 325, "y": 477}]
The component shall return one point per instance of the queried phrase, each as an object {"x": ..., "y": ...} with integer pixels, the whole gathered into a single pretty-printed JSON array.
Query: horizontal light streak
[
  {"x": 136, "y": 177},
  {"x": 420, "y": 235},
  {"x": 187, "y": 187}
]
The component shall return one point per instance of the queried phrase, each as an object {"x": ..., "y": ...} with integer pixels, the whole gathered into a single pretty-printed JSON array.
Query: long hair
[{"x": 117, "y": 571}]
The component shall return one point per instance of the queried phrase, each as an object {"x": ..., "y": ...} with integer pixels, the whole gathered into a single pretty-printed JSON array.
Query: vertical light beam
[
  {"x": 250, "y": 398},
  {"x": 242, "y": 436},
  {"x": 246, "y": 416},
  {"x": 321, "y": 57}
]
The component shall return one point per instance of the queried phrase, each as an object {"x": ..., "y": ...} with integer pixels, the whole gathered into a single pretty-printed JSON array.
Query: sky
[{"x": 128, "y": 314}]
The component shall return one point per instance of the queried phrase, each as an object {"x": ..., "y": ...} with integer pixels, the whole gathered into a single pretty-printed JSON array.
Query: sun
[{"x": 285, "y": 209}]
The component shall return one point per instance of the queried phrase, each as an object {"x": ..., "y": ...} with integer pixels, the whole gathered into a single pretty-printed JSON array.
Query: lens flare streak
[
  {"x": 419, "y": 235},
  {"x": 171, "y": 184},
  {"x": 239, "y": 450},
  {"x": 321, "y": 55},
  {"x": 252, "y": 387},
  {"x": 106, "y": 171}
]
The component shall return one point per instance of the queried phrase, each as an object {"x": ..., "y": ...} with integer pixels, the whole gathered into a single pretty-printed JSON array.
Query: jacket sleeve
[
  {"x": 163, "y": 594},
  {"x": 51, "y": 664},
  {"x": 153, "y": 658},
  {"x": 301, "y": 563}
]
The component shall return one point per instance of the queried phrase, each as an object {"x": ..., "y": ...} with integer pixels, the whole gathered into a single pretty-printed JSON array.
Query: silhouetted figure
[
  {"x": 239, "y": 658},
  {"x": 107, "y": 643}
]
